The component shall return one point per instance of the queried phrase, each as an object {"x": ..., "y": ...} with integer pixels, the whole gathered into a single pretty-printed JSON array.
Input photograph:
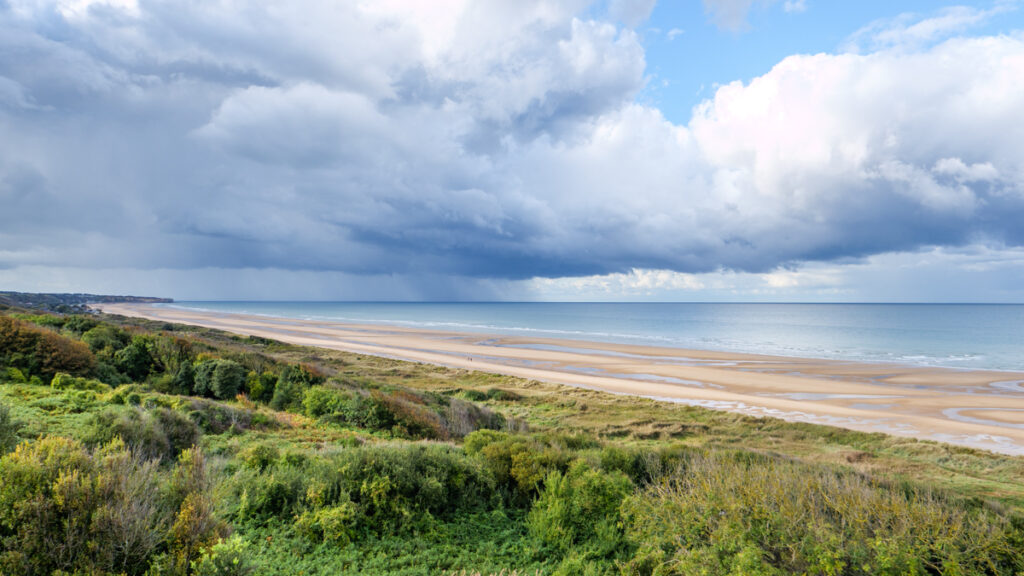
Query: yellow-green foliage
[
  {"x": 742, "y": 513},
  {"x": 579, "y": 511},
  {"x": 228, "y": 557},
  {"x": 63, "y": 381},
  {"x": 64, "y": 507},
  {"x": 9, "y": 429}
]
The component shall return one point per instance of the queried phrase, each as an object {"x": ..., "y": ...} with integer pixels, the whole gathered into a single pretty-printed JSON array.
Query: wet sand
[{"x": 981, "y": 409}]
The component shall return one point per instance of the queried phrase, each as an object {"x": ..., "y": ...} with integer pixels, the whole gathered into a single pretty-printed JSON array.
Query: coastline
[{"x": 976, "y": 408}]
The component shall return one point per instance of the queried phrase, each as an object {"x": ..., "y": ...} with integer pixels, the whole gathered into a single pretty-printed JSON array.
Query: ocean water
[{"x": 970, "y": 336}]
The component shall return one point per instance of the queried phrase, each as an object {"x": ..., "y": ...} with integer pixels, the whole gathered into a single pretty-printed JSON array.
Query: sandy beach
[{"x": 981, "y": 409}]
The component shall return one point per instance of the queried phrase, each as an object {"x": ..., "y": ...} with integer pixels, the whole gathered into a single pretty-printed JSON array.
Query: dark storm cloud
[{"x": 503, "y": 143}]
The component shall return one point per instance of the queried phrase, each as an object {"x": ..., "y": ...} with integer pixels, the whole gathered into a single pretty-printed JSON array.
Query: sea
[{"x": 965, "y": 336}]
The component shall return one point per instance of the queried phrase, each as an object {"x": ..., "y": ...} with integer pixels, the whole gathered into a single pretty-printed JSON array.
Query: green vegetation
[{"x": 131, "y": 447}]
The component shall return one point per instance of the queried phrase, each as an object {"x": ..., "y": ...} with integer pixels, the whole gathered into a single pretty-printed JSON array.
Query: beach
[{"x": 977, "y": 408}]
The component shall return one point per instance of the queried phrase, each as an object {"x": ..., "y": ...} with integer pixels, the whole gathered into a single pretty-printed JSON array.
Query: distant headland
[{"x": 70, "y": 303}]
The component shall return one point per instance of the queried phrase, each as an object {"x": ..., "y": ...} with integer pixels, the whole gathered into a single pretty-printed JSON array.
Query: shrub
[
  {"x": 271, "y": 494},
  {"x": 724, "y": 514},
  {"x": 185, "y": 379},
  {"x": 461, "y": 418},
  {"x": 399, "y": 487},
  {"x": 80, "y": 324},
  {"x": 261, "y": 387},
  {"x": 260, "y": 456},
  {"x": 65, "y": 508},
  {"x": 216, "y": 418},
  {"x": 474, "y": 395},
  {"x": 291, "y": 387},
  {"x": 106, "y": 339},
  {"x": 107, "y": 373},
  {"x": 41, "y": 352},
  {"x": 410, "y": 416},
  {"x": 62, "y": 381},
  {"x": 9, "y": 429},
  {"x": 580, "y": 510},
  {"x": 195, "y": 525},
  {"x": 333, "y": 524},
  {"x": 227, "y": 380},
  {"x": 320, "y": 401},
  {"x": 368, "y": 412},
  {"x": 160, "y": 433},
  {"x": 502, "y": 395},
  {"x": 225, "y": 558},
  {"x": 519, "y": 463},
  {"x": 135, "y": 360},
  {"x": 14, "y": 375},
  {"x": 382, "y": 489}
]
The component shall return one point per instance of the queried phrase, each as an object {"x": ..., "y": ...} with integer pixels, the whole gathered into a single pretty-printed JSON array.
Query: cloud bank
[{"x": 493, "y": 141}]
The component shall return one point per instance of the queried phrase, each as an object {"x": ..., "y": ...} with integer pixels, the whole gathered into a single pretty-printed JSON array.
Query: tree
[
  {"x": 135, "y": 360},
  {"x": 185, "y": 379},
  {"x": 228, "y": 379}
]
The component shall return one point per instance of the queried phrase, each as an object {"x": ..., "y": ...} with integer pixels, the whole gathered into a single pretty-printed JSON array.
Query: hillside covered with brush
[{"x": 130, "y": 447}]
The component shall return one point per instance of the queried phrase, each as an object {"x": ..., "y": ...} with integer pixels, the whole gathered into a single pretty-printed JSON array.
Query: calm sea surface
[{"x": 954, "y": 335}]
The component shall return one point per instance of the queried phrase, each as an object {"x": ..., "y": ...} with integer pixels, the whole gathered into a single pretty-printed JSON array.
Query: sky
[{"x": 620, "y": 150}]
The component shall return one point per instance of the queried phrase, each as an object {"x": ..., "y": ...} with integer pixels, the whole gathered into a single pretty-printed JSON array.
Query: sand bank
[{"x": 983, "y": 409}]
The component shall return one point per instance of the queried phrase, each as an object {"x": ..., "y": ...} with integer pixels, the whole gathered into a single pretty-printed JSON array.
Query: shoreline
[
  {"x": 976, "y": 408},
  {"x": 928, "y": 353}
]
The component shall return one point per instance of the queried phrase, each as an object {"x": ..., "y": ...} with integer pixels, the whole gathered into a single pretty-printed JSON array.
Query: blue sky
[
  {"x": 794, "y": 150},
  {"x": 689, "y": 52}
]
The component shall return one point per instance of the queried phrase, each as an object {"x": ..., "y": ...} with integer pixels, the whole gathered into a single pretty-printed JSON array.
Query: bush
[
  {"x": 185, "y": 379},
  {"x": 291, "y": 386},
  {"x": 519, "y": 463},
  {"x": 65, "y": 508},
  {"x": 368, "y": 412},
  {"x": 334, "y": 524},
  {"x": 225, "y": 558},
  {"x": 80, "y": 324},
  {"x": 271, "y": 494},
  {"x": 399, "y": 487},
  {"x": 228, "y": 379},
  {"x": 14, "y": 375},
  {"x": 217, "y": 378},
  {"x": 160, "y": 433},
  {"x": 411, "y": 416},
  {"x": 579, "y": 510},
  {"x": 260, "y": 456},
  {"x": 320, "y": 401},
  {"x": 385, "y": 489},
  {"x": 195, "y": 527},
  {"x": 216, "y": 418},
  {"x": 261, "y": 387},
  {"x": 9, "y": 429},
  {"x": 724, "y": 514},
  {"x": 41, "y": 352},
  {"x": 136, "y": 360},
  {"x": 462, "y": 418},
  {"x": 62, "y": 381},
  {"x": 106, "y": 339}
]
